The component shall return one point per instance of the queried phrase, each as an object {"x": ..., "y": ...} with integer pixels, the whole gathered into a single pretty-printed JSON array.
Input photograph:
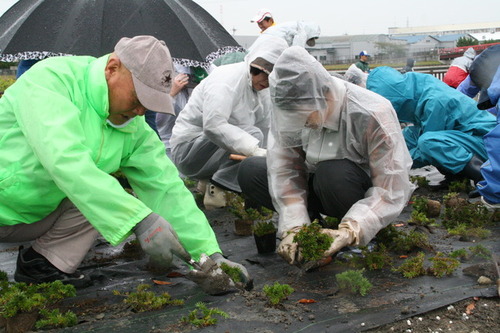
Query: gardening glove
[
  {"x": 244, "y": 276},
  {"x": 159, "y": 240},
  {"x": 210, "y": 277},
  {"x": 259, "y": 152},
  {"x": 288, "y": 249},
  {"x": 346, "y": 235}
]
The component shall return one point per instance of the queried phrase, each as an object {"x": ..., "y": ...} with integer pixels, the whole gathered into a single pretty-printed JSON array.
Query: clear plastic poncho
[{"x": 352, "y": 123}]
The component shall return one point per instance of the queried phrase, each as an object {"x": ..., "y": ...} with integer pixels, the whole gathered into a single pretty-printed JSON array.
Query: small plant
[
  {"x": 480, "y": 251},
  {"x": 312, "y": 242},
  {"x": 3, "y": 276},
  {"x": 467, "y": 232},
  {"x": 420, "y": 218},
  {"x": 237, "y": 207},
  {"x": 460, "y": 211},
  {"x": 277, "y": 292},
  {"x": 263, "y": 228},
  {"x": 442, "y": 265},
  {"x": 460, "y": 254},
  {"x": 354, "y": 281},
  {"x": 56, "y": 319},
  {"x": 413, "y": 267},
  {"x": 143, "y": 300},
  {"x": 331, "y": 222},
  {"x": 233, "y": 272},
  {"x": 376, "y": 259},
  {"x": 460, "y": 186},
  {"x": 17, "y": 298},
  {"x": 408, "y": 242},
  {"x": 420, "y": 181},
  {"x": 203, "y": 316}
]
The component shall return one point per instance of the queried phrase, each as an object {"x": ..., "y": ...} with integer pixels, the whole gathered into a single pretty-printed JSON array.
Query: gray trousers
[
  {"x": 202, "y": 159},
  {"x": 64, "y": 237}
]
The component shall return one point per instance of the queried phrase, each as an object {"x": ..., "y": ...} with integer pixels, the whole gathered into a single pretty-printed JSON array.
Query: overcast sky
[{"x": 347, "y": 16}]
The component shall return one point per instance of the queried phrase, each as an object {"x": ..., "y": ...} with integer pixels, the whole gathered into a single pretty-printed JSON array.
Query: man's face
[
  {"x": 260, "y": 81},
  {"x": 364, "y": 58},
  {"x": 123, "y": 102},
  {"x": 264, "y": 24}
]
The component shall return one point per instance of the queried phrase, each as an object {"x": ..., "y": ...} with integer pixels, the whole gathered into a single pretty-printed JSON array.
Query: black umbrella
[{"x": 35, "y": 29}]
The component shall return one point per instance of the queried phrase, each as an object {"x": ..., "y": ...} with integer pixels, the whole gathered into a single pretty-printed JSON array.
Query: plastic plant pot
[{"x": 265, "y": 243}]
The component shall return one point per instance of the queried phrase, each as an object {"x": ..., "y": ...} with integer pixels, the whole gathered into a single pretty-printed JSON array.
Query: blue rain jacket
[
  {"x": 448, "y": 128},
  {"x": 490, "y": 186}
]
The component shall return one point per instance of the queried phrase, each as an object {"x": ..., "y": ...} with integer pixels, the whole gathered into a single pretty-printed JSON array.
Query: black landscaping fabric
[{"x": 392, "y": 298}]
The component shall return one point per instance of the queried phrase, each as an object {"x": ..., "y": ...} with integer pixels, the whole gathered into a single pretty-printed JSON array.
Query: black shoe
[{"x": 40, "y": 270}]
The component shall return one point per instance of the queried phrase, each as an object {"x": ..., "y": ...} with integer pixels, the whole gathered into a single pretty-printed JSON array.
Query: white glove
[
  {"x": 259, "y": 152},
  {"x": 159, "y": 240},
  {"x": 288, "y": 249},
  {"x": 341, "y": 238}
]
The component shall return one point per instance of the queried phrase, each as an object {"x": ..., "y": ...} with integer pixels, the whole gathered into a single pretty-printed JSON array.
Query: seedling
[
  {"x": 464, "y": 218},
  {"x": 263, "y": 228},
  {"x": 354, "y": 281},
  {"x": 3, "y": 276},
  {"x": 233, "y": 272},
  {"x": 376, "y": 259},
  {"x": 237, "y": 207},
  {"x": 56, "y": 319},
  {"x": 331, "y": 222},
  {"x": 413, "y": 267},
  {"x": 421, "y": 181},
  {"x": 411, "y": 241},
  {"x": 204, "y": 317},
  {"x": 18, "y": 298},
  {"x": 442, "y": 265},
  {"x": 460, "y": 254},
  {"x": 460, "y": 186},
  {"x": 277, "y": 293},
  {"x": 143, "y": 300},
  {"x": 480, "y": 251},
  {"x": 312, "y": 242},
  {"x": 423, "y": 210}
]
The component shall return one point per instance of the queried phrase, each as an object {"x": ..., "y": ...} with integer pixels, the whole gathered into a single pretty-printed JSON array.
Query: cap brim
[{"x": 151, "y": 99}]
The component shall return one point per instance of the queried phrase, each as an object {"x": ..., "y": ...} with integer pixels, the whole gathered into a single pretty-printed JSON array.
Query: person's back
[{"x": 459, "y": 68}]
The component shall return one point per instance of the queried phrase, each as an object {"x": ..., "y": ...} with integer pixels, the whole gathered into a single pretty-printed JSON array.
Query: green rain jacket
[{"x": 55, "y": 143}]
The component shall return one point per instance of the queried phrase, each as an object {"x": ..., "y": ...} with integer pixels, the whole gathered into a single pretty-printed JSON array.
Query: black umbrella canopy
[{"x": 34, "y": 29}]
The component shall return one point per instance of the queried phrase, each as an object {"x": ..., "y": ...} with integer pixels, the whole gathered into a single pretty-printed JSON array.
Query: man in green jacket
[
  {"x": 363, "y": 62},
  {"x": 68, "y": 123}
]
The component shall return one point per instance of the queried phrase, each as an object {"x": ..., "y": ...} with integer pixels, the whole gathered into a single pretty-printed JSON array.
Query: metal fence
[{"x": 436, "y": 71}]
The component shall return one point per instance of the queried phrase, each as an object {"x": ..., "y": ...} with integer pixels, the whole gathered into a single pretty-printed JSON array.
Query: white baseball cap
[{"x": 262, "y": 14}]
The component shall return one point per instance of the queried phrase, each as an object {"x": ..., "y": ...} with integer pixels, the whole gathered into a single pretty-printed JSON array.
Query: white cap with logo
[{"x": 150, "y": 62}]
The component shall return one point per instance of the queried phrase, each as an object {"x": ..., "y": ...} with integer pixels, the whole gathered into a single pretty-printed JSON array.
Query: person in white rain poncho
[
  {"x": 334, "y": 148},
  {"x": 228, "y": 112},
  {"x": 296, "y": 33}
]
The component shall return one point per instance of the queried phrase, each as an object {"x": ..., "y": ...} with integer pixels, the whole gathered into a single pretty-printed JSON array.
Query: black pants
[{"x": 333, "y": 188}]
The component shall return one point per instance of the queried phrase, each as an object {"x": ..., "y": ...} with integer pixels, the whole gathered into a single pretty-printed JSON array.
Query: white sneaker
[
  {"x": 215, "y": 197},
  {"x": 202, "y": 186}
]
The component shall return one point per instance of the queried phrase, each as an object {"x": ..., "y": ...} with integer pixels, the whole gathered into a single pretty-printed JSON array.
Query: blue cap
[{"x": 364, "y": 53}]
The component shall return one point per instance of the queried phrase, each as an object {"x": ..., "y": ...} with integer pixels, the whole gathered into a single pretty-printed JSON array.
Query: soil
[{"x": 454, "y": 303}]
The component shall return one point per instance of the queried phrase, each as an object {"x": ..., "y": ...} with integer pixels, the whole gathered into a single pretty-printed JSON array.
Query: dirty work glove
[
  {"x": 259, "y": 152},
  {"x": 342, "y": 237},
  {"x": 288, "y": 249},
  {"x": 159, "y": 240},
  {"x": 210, "y": 277},
  {"x": 244, "y": 276}
]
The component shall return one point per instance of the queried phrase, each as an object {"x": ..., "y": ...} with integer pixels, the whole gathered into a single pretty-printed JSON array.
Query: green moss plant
[
  {"x": 144, "y": 300},
  {"x": 277, "y": 292},
  {"x": 354, "y": 281},
  {"x": 233, "y": 272},
  {"x": 203, "y": 316},
  {"x": 263, "y": 228},
  {"x": 420, "y": 181},
  {"x": 413, "y": 267},
  {"x": 237, "y": 207},
  {"x": 460, "y": 254},
  {"x": 460, "y": 186},
  {"x": 312, "y": 242},
  {"x": 407, "y": 242},
  {"x": 442, "y": 265},
  {"x": 480, "y": 251},
  {"x": 459, "y": 211},
  {"x": 56, "y": 319},
  {"x": 378, "y": 259}
]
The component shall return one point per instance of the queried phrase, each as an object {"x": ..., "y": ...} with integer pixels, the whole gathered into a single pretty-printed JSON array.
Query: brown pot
[
  {"x": 243, "y": 227},
  {"x": 433, "y": 208}
]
